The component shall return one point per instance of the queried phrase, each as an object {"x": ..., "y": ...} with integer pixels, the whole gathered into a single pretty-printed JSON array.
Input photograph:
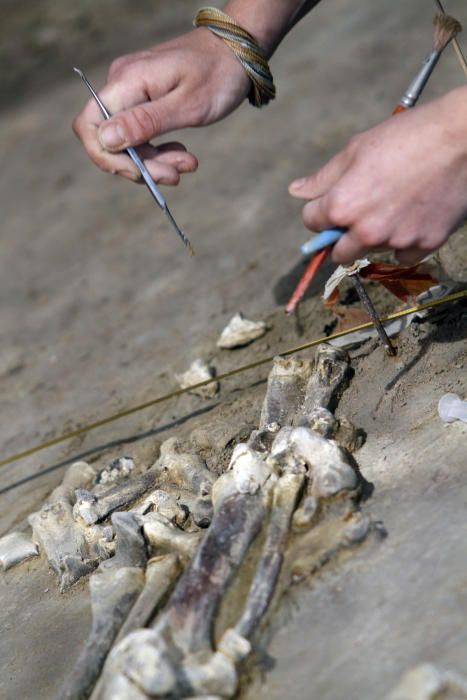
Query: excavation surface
[{"x": 101, "y": 306}]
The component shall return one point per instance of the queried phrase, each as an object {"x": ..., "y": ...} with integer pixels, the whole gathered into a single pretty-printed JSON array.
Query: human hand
[
  {"x": 400, "y": 185},
  {"x": 189, "y": 81}
]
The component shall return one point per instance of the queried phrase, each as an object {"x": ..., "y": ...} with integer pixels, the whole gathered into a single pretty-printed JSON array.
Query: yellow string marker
[{"x": 226, "y": 375}]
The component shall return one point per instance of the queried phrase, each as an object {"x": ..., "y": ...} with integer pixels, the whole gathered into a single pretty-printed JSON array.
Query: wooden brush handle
[{"x": 310, "y": 273}]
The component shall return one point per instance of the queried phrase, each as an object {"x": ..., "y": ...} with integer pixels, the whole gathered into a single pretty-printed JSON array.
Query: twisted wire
[{"x": 245, "y": 48}]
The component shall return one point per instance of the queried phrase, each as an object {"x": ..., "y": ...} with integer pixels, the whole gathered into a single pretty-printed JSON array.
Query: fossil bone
[
  {"x": 164, "y": 536},
  {"x": 71, "y": 551},
  {"x": 182, "y": 469},
  {"x": 427, "y": 682},
  {"x": 165, "y": 503},
  {"x": 190, "y": 612},
  {"x": 285, "y": 496},
  {"x": 330, "y": 471},
  {"x": 161, "y": 573},
  {"x": 117, "y": 471},
  {"x": 178, "y": 656},
  {"x": 285, "y": 391},
  {"x": 329, "y": 379},
  {"x": 91, "y": 508},
  {"x": 199, "y": 371},
  {"x": 15, "y": 548},
  {"x": 114, "y": 588},
  {"x": 240, "y": 331}
]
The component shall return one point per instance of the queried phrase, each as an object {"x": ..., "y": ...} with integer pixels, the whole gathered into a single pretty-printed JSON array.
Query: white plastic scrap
[{"x": 340, "y": 273}]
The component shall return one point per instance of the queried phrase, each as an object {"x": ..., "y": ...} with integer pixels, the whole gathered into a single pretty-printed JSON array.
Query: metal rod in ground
[{"x": 368, "y": 304}]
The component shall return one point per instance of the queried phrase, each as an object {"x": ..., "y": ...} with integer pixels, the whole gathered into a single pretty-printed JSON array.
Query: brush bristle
[{"x": 446, "y": 28}]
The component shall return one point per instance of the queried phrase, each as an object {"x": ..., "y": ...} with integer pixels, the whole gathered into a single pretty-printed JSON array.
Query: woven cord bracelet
[{"x": 245, "y": 48}]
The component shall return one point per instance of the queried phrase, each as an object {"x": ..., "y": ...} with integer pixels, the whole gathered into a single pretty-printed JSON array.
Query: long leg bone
[
  {"x": 329, "y": 379},
  {"x": 285, "y": 392},
  {"x": 114, "y": 589},
  {"x": 286, "y": 493},
  {"x": 161, "y": 573},
  {"x": 176, "y": 656},
  {"x": 190, "y": 612}
]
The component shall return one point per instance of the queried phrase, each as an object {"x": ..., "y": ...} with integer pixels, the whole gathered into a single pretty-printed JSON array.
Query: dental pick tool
[{"x": 150, "y": 184}]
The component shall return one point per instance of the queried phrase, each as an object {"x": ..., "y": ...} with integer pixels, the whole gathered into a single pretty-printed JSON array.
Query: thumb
[
  {"x": 140, "y": 124},
  {"x": 319, "y": 183}
]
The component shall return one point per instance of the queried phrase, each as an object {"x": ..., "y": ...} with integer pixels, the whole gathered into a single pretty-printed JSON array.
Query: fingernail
[
  {"x": 111, "y": 136},
  {"x": 297, "y": 184}
]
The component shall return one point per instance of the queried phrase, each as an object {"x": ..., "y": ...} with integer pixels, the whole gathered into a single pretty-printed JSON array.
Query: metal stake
[{"x": 368, "y": 304}]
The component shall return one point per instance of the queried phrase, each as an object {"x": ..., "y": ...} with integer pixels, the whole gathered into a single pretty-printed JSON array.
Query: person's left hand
[{"x": 401, "y": 185}]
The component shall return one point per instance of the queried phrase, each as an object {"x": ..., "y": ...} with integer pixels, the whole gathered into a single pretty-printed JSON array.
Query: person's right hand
[{"x": 190, "y": 81}]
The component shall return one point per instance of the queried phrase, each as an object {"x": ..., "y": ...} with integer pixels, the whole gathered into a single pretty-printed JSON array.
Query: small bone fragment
[
  {"x": 250, "y": 471},
  {"x": 117, "y": 687},
  {"x": 261, "y": 440},
  {"x": 348, "y": 436},
  {"x": 190, "y": 612},
  {"x": 63, "y": 541},
  {"x": 358, "y": 528},
  {"x": 240, "y": 331},
  {"x": 285, "y": 392},
  {"x": 234, "y": 646},
  {"x": 427, "y": 682},
  {"x": 164, "y": 537},
  {"x": 140, "y": 660},
  {"x": 78, "y": 475},
  {"x": 114, "y": 588},
  {"x": 116, "y": 472},
  {"x": 161, "y": 573},
  {"x": 200, "y": 508},
  {"x": 247, "y": 473},
  {"x": 92, "y": 511},
  {"x": 15, "y": 548},
  {"x": 329, "y": 379},
  {"x": 217, "y": 434},
  {"x": 213, "y": 677},
  {"x": 323, "y": 422},
  {"x": 330, "y": 471},
  {"x": 199, "y": 371},
  {"x": 182, "y": 469},
  {"x": 85, "y": 507},
  {"x": 304, "y": 517},
  {"x": 164, "y": 503},
  {"x": 286, "y": 493}
]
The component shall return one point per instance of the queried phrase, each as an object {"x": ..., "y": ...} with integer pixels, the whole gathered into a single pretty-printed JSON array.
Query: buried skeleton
[{"x": 166, "y": 547}]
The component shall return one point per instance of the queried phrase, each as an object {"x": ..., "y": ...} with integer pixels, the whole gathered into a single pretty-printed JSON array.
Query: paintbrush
[
  {"x": 446, "y": 28},
  {"x": 455, "y": 43}
]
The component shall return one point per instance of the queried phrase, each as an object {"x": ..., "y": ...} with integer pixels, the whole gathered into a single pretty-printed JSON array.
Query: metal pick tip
[
  {"x": 185, "y": 239},
  {"x": 80, "y": 72}
]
